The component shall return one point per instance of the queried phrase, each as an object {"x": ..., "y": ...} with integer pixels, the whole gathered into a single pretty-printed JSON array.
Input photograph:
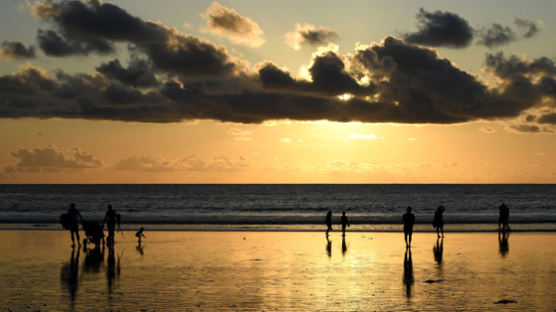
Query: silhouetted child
[
  {"x": 438, "y": 221},
  {"x": 345, "y": 222},
  {"x": 328, "y": 222},
  {"x": 408, "y": 221},
  {"x": 139, "y": 235},
  {"x": 503, "y": 218}
]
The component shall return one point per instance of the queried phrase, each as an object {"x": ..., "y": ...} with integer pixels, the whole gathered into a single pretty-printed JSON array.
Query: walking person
[
  {"x": 70, "y": 221},
  {"x": 345, "y": 222},
  {"x": 408, "y": 221},
  {"x": 328, "y": 222},
  {"x": 438, "y": 221},
  {"x": 111, "y": 218},
  {"x": 503, "y": 218}
]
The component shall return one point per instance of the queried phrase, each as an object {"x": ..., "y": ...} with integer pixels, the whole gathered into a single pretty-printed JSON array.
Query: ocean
[{"x": 275, "y": 207}]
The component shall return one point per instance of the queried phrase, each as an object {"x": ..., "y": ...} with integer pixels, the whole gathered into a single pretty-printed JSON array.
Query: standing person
[
  {"x": 70, "y": 221},
  {"x": 328, "y": 222},
  {"x": 111, "y": 218},
  {"x": 344, "y": 221},
  {"x": 503, "y": 218},
  {"x": 438, "y": 221},
  {"x": 408, "y": 221}
]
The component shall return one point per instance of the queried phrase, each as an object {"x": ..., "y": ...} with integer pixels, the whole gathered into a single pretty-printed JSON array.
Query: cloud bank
[{"x": 174, "y": 76}]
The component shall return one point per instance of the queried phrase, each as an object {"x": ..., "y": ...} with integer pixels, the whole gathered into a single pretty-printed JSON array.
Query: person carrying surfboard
[{"x": 70, "y": 221}]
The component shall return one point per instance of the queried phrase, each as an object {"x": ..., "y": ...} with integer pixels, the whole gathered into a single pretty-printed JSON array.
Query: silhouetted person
[
  {"x": 344, "y": 246},
  {"x": 111, "y": 218},
  {"x": 328, "y": 222},
  {"x": 328, "y": 247},
  {"x": 71, "y": 222},
  {"x": 503, "y": 218},
  {"x": 438, "y": 221},
  {"x": 345, "y": 222},
  {"x": 70, "y": 272},
  {"x": 408, "y": 221},
  {"x": 503, "y": 242},
  {"x": 408, "y": 271},
  {"x": 139, "y": 235},
  {"x": 438, "y": 249}
]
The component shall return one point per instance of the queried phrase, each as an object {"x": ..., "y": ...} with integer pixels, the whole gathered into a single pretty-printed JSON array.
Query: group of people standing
[
  {"x": 408, "y": 219},
  {"x": 73, "y": 217}
]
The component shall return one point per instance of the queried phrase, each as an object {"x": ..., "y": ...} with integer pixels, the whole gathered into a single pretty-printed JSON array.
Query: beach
[{"x": 278, "y": 271}]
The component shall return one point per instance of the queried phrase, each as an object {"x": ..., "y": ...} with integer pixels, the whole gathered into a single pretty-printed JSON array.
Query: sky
[{"x": 137, "y": 91}]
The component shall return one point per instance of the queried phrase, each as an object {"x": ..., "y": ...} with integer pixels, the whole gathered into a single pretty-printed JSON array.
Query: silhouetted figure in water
[
  {"x": 408, "y": 272},
  {"x": 139, "y": 235},
  {"x": 503, "y": 218},
  {"x": 328, "y": 247},
  {"x": 345, "y": 222},
  {"x": 70, "y": 272},
  {"x": 328, "y": 222},
  {"x": 438, "y": 221},
  {"x": 344, "y": 246},
  {"x": 503, "y": 242},
  {"x": 111, "y": 218},
  {"x": 408, "y": 221},
  {"x": 438, "y": 249},
  {"x": 70, "y": 221}
]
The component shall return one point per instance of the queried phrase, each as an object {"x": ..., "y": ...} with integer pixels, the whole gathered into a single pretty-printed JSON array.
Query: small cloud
[
  {"x": 412, "y": 139},
  {"x": 51, "y": 159},
  {"x": 359, "y": 136},
  {"x": 528, "y": 26},
  {"x": 526, "y": 128},
  {"x": 286, "y": 140},
  {"x": 496, "y": 35},
  {"x": 240, "y": 135},
  {"x": 307, "y": 34},
  {"x": 13, "y": 50},
  {"x": 238, "y": 29},
  {"x": 540, "y": 154},
  {"x": 187, "y": 26},
  {"x": 487, "y": 130},
  {"x": 188, "y": 163},
  {"x": 441, "y": 29}
]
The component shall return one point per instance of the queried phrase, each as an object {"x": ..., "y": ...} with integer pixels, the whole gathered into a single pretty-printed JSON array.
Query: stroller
[{"x": 94, "y": 231}]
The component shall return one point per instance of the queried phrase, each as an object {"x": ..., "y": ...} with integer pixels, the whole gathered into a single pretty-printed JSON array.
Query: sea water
[{"x": 469, "y": 207}]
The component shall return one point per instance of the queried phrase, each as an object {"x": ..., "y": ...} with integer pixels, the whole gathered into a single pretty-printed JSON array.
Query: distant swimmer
[
  {"x": 345, "y": 222},
  {"x": 111, "y": 218},
  {"x": 70, "y": 221},
  {"x": 139, "y": 235},
  {"x": 503, "y": 218},
  {"x": 438, "y": 221},
  {"x": 328, "y": 222},
  {"x": 408, "y": 221}
]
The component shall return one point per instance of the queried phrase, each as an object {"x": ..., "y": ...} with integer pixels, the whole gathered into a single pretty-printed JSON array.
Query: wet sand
[{"x": 279, "y": 271}]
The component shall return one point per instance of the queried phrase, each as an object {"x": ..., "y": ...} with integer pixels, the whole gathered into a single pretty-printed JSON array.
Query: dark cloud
[
  {"x": 307, "y": 34},
  {"x": 496, "y": 35},
  {"x": 515, "y": 66},
  {"x": 51, "y": 159},
  {"x": 528, "y": 26},
  {"x": 228, "y": 22},
  {"x": 52, "y": 44},
  {"x": 441, "y": 29},
  {"x": 531, "y": 129},
  {"x": 12, "y": 50},
  {"x": 548, "y": 119},
  {"x": 139, "y": 73}
]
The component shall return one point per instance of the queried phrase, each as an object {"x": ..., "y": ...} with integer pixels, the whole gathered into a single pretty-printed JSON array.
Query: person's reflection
[
  {"x": 438, "y": 249},
  {"x": 94, "y": 259},
  {"x": 344, "y": 246},
  {"x": 69, "y": 273},
  {"x": 140, "y": 249},
  {"x": 328, "y": 246},
  {"x": 408, "y": 272},
  {"x": 111, "y": 269},
  {"x": 503, "y": 244}
]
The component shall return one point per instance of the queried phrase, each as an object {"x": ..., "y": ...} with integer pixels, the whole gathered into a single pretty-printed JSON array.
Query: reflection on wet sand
[
  {"x": 503, "y": 243},
  {"x": 408, "y": 272},
  {"x": 438, "y": 250},
  {"x": 69, "y": 274},
  {"x": 328, "y": 246},
  {"x": 344, "y": 246}
]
